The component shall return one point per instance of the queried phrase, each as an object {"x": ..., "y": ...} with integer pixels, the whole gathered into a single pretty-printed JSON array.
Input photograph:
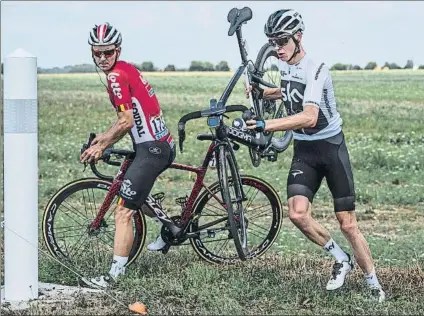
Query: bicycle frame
[
  {"x": 187, "y": 211},
  {"x": 239, "y": 72}
]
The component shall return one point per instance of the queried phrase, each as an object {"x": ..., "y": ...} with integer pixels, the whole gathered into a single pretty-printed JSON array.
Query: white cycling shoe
[
  {"x": 157, "y": 245},
  {"x": 105, "y": 281},
  {"x": 338, "y": 276},
  {"x": 378, "y": 294}
]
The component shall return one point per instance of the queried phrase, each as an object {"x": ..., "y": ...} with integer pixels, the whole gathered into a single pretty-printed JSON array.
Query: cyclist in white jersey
[{"x": 319, "y": 148}]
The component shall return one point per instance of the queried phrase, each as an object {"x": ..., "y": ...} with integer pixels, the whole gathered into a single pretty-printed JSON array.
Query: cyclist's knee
[
  {"x": 299, "y": 210},
  {"x": 348, "y": 223},
  {"x": 123, "y": 215}
]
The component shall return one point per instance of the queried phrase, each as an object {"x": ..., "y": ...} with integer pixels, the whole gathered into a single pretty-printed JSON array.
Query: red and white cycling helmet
[{"x": 104, "y": 34}]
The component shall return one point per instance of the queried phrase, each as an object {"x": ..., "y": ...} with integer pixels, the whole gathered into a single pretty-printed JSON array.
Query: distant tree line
[
  {"x": 146, "y": 66},
  {"x": 197, "y": 65},
  {"x": 373, "y": 65}
]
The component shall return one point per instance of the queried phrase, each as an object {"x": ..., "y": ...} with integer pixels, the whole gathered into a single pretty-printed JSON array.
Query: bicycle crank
[{"x": 168, "y": 236}]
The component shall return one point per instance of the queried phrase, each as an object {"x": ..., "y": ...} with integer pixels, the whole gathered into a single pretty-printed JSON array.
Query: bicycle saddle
[{"x": 237, "y": 17}]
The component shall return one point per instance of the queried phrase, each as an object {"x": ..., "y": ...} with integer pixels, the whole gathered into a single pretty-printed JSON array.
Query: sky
[{"x": 177, "y": 32}]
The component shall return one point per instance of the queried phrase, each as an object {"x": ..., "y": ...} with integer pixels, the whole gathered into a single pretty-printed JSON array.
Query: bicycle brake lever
[
  {"x": 181, "y": 138},
  {"x": 181, "y": 135}
]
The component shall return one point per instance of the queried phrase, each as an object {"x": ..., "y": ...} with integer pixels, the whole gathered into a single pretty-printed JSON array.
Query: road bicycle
[
  {"x": 78, "y": 219},
  {"x": 79, "y": 216},
  {"x": 264, "y": 67}
]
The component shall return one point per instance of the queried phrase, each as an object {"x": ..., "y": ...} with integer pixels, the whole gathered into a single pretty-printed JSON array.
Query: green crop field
[{"x": 383, "y": 121}]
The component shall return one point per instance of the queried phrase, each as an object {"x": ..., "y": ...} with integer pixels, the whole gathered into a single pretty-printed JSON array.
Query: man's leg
[
  {"x": 300, "y": 213},
  {"x": 361, "y": 250},
  {"x": 301, "y": 216},
  {"x": 158, "y": 244},
  {"x": 136, "y": 186},
  {"x": 123, "y": 242},
  {"x": 304, "y": 180},
  {"x": 340, "y": 181}
]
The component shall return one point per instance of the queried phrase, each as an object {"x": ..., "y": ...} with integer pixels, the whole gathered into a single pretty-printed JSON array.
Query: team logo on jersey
[
  {"x": 155, "y": 150},
  {"x": 296, "y": 172},
  {"x": 138, "y": 121},
  {"x": 116, "y": 89},
  {"x": 147, "y": 86},
  {"x": 294, "y": 95},
  {"x": 126, "y": 188}
]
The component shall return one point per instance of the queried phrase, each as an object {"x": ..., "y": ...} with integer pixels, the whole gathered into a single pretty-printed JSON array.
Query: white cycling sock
[
  {"x": 118, "y": 266},
  {"x": 372, "y": 280},
  {"x": 332, "y": 247}
]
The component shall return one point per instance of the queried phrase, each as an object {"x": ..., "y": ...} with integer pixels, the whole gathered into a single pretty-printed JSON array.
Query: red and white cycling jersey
[{"x": 128, "y": 90}]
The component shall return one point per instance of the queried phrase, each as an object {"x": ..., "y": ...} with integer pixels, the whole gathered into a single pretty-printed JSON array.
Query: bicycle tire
[
  {"x": 266, "y": 51},
  {"x": 225, "y": 160},
  {"x": 51, "y": 210},
  {"x": 276, "y": 215}
]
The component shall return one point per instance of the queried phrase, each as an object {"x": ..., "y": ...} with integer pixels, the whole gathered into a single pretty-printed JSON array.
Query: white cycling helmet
[
  {"x": 104, "y": 34},
  {"x": 284, "y": 22}
]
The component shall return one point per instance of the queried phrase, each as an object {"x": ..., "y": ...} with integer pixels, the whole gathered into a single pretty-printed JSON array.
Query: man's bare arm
[
  {"x": 272, "y": 94},
  {"x": 118, "y": 130},
  {"x": 307, "y": 118}
]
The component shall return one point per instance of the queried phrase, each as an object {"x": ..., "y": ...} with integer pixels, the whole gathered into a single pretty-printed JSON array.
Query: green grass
[{"x": 383, "y": 115}]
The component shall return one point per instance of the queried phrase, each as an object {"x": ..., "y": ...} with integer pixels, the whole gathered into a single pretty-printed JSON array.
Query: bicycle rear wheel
[
  {"x": 67, "y": 219},
  {"x": 229, "y": 179}
]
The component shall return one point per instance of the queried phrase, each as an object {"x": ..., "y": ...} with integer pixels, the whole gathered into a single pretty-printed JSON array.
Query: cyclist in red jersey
[{"x": 140, "y": 115}]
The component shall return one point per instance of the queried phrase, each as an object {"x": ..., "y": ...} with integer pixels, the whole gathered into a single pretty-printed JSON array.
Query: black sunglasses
[
  {"x": 107, "y": 53},
  {"x": 281, "y": 41}
]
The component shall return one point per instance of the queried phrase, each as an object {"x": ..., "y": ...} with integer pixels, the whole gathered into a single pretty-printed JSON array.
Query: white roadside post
[{"x": 20, "y": 177}]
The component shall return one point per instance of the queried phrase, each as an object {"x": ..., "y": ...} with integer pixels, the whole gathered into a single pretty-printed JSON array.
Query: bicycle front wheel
[
  {"x": 263, "y": 213},
  {"x": 67, "y": 220},
  {"x": 232, "y": 196}
]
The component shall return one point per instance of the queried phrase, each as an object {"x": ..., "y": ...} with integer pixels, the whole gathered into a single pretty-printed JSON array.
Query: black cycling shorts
[
  {"x": 314, "y": 160},
  {"x": 152, "y": 158}
]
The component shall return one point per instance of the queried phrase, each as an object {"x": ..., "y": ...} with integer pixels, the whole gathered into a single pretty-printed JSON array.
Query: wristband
[{"x": 260, "y": 126}]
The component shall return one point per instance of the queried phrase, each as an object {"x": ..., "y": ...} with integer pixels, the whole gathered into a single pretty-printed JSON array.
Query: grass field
[{"x": 383, "y": 115}]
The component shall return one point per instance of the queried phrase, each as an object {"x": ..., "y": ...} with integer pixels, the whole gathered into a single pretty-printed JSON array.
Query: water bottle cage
[
  {"x": 182, "y": 201},
  {"x": 159, "y": 197}
]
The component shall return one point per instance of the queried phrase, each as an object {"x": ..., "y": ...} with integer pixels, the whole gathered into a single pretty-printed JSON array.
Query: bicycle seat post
[{"x": 241, "y": 44}]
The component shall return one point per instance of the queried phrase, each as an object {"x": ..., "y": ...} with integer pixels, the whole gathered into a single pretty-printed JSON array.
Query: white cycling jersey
[{"x": 305, "y": 83}]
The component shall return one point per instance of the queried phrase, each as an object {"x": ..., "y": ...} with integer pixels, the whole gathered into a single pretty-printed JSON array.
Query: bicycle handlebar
[
  {"x": 119, "y": 153},
  {"x": 233, "y": 133}
]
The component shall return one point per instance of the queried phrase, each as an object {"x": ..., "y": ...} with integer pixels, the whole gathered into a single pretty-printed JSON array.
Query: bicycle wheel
[
  {"x": 230, "y": 179},
  {"x": 263, "y": 214},
  {"x": 66, "y": 222},
  {"x": 267, "y": 65}
]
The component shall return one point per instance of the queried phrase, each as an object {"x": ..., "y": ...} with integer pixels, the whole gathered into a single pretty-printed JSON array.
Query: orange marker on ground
[{"x": 138, "y": 307}]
